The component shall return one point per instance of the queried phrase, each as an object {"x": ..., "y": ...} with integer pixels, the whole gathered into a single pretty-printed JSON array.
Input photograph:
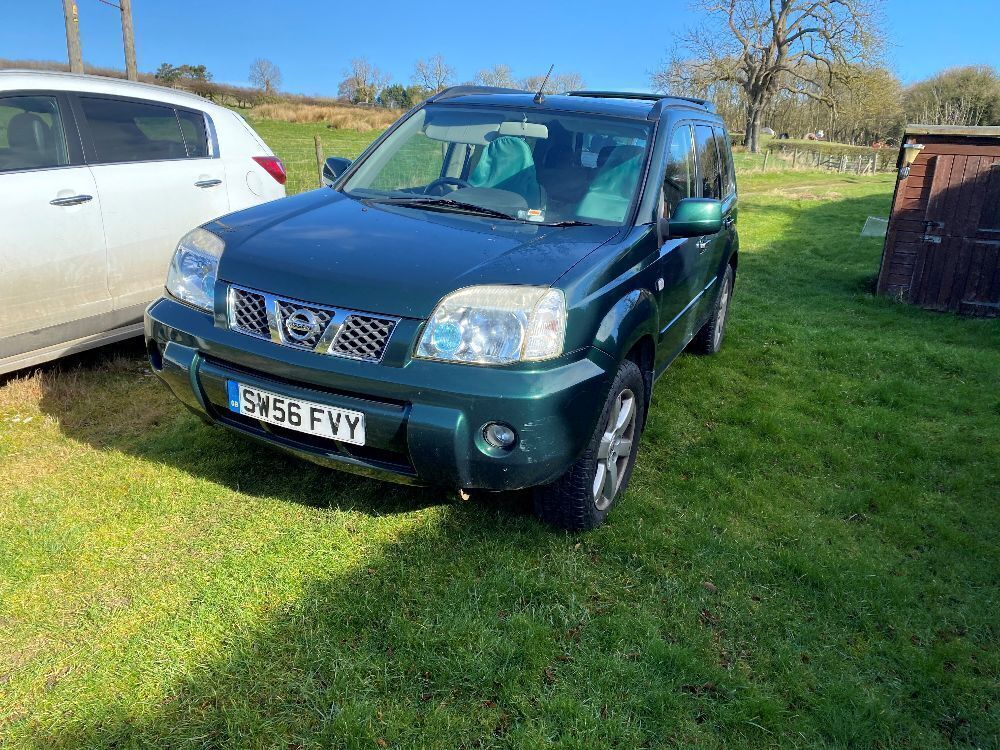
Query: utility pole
[
  {"x": 73, "y": 36},
  {"x": 128, "y": 36}
]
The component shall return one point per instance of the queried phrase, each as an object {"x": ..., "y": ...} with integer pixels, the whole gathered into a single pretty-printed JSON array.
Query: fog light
[{"x": 499, "y": 435}]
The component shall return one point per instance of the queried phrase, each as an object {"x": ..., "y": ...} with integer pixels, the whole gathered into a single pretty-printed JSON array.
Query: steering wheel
[{"x": 440, "y": 181}]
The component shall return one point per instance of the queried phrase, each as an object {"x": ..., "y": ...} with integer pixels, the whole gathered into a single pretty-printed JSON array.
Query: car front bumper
[{"x": 423, "y": 419}]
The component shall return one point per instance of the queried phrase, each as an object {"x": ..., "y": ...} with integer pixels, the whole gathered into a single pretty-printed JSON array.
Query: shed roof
[{"x": 965, "y": 131}]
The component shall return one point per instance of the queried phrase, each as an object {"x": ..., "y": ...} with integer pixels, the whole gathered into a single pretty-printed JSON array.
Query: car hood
[{"x": 327, "y": 248}]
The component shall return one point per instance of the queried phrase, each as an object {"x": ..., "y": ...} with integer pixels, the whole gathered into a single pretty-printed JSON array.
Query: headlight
[
  {"x": 496, "y": 325},
  {"x": 194, "y": 268}
]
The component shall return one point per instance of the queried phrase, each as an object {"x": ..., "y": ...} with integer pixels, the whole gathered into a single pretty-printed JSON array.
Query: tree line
[
  {"x": 794, "y": 66},
  {"x": 365, "y": 83},
  {"x": 808, "y": 66}
]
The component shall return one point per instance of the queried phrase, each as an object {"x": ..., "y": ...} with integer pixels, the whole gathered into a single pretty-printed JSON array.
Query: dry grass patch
[{"x": 342, "y": 117}]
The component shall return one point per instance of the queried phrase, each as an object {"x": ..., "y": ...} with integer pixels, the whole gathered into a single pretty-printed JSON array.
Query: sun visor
[{"x": 463, "y": 127}]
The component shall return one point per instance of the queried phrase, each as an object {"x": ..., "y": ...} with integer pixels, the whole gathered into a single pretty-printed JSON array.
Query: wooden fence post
[
  {"x": 859, "y": 163},
  {"x": 763, "y": 167},
  {"x": 843, "y": 163},
  {"x": 319, "y": 158},
  {"x": 795, "y": 157}
]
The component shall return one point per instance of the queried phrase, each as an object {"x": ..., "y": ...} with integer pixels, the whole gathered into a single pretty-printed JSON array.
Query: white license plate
[{"x": 295, "y": 414}]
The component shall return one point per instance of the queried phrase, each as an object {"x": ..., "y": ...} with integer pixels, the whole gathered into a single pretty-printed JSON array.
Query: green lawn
[
  {"x": 293, "y": 143},
  {"x": 807, "y": 555}
]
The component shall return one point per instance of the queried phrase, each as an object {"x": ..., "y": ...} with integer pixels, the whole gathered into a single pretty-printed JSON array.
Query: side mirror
[
  {"x": 694, "y": 217},
  {"x": 333, "y": 168}
]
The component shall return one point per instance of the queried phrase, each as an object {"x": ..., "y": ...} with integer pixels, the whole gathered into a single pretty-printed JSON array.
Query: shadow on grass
[
  {"x": 109, "y": 399},
  {"x": 475, "y": 630}
]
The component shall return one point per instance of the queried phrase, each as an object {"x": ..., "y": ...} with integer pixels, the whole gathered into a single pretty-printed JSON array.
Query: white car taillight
[{"x": 274, "y": 167}]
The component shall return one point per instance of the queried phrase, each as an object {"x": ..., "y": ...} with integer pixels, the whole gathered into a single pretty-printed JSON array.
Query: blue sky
[{"x": 612, "y": 44}]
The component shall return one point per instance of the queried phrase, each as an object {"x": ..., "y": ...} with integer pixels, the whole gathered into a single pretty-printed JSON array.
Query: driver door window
[
  {"x": 679, "y": 176},
  {"x": 417, "y": 163}
]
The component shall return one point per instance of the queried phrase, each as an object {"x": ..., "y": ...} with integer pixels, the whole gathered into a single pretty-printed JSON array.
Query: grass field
[
  {"x": 293, "y": 143},
  {"x": 807, "y": 555}
]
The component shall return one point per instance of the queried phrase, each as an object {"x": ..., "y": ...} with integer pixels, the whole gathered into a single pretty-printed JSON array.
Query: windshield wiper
[
  {"x": 568, "y": 223},
  {"x": 446, "y": 204}
]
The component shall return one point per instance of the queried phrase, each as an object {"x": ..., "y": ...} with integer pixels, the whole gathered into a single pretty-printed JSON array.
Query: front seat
[
  {"x": 507, "y": 164},
  {"x": 31, "y": 140}
]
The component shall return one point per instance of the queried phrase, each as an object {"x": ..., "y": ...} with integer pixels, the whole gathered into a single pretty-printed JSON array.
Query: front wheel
[{"x": 582, "y": 497}]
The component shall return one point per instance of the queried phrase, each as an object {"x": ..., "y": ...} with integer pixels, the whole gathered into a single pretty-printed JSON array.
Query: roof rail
[
  {"x": 452, "y": 91},
  {"x": 660, "y": 99},
  {"x": 616, "y": 95}
]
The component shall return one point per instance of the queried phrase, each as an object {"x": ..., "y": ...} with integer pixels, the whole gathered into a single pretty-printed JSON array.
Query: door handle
[
  {"x": 207, "y": 183},
  {"x": 702, "y": 244},
  {"x": 72, "y": 200}
]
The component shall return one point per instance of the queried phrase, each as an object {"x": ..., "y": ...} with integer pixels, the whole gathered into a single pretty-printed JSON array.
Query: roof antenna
[{"x": 540, "y": 97}]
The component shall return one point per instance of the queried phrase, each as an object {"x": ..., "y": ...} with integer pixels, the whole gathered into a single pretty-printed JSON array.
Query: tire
[
  {"x": 571, "y": 502},
  {"x": 709, "y": 339}
]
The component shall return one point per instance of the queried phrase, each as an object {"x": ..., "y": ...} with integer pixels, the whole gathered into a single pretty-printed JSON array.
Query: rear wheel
[
  {"x": 709, "y": 339},
  {"x": 582, "y": 497}
]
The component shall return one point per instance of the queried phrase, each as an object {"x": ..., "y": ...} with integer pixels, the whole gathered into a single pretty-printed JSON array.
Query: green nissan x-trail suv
[{"x": 481, "y": 301}]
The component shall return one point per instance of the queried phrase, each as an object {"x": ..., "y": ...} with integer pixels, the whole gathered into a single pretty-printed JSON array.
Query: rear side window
[
  {"x": 31, "y": 133},
  {"x": 679, "y": 176},
  {"x": 726, "y": 154},
  {"x": 193, "y": 130},
  {"x": 132, "y": 131},
  {"x": 708, "y": 162}
]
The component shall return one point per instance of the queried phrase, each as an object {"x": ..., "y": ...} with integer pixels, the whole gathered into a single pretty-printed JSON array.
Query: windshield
[{"x": 527, "y": 165}]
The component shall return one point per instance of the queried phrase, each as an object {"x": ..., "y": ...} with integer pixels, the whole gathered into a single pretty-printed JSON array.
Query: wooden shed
[{"x": 942, "y": 245}]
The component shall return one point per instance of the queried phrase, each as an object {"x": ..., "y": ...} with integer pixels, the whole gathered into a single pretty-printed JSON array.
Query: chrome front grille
[
  {"x": 305, "y": 325},
  {"x": 362, "y": 337},
  {"x": 248, "y": 314}
]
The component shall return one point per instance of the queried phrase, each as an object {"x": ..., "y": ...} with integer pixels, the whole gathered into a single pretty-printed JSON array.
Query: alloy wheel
[
  {"x": 720, "y": 318},
  {"x": 615, "y": 449}
]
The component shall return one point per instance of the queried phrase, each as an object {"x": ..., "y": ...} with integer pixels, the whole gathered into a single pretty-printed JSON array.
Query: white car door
[
  {"x": 158, "y": 176},
  {"x": 53, "y": 263}
]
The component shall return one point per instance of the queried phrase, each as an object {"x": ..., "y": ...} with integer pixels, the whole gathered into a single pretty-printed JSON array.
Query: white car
[{"x": 99, "y": 179}]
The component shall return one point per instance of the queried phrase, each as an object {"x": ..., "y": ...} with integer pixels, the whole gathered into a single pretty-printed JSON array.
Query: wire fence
[{"x": 782, "y": 159}]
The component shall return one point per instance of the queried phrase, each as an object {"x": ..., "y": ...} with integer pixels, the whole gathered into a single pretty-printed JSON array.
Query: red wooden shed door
[{"x": 958, "y": 265}]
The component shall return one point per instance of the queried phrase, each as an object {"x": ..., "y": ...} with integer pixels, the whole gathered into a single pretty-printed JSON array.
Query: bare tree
[
  {"x": 363, "y": 82},
  {"x": 499, "y": 75},
  {"x": 433, "y": 74},
  {"x": 557, "y": 84},
  {"x": 265, "y": 75},
  {"x": 770, "y": 46},
  {"x": 569, "y": 82}
]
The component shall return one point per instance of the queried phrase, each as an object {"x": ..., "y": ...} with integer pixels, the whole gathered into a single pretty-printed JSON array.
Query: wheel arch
[{"x": 628, "y": 331}]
